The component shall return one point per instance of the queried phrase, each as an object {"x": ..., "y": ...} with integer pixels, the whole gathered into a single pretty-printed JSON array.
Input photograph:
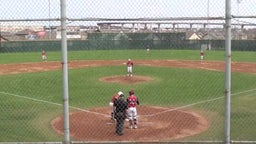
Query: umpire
[{"x": 120, "y": 113}]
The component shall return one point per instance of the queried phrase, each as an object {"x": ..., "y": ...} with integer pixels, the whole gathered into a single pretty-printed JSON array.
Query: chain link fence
[{"x": 182, "y": 98}]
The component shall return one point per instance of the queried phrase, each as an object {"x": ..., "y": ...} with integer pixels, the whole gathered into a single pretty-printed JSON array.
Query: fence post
[
  {"x": 65, "y": 71},
  {"x": 228, "y": 71}
]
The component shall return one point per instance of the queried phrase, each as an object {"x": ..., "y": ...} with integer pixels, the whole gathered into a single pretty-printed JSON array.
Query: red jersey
[
  {"x": 202, "y": 53},
  {"x": 132, "y": 101},
  {"x": 43, "y": 53},
  {"x": 129, "y": 63},
  {"x": 114, "y": 98}
]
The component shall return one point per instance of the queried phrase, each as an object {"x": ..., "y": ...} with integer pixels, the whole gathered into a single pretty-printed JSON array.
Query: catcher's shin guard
[{"x": 112, "y": 115}]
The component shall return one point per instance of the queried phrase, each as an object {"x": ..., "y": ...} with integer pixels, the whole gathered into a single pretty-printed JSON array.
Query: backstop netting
[{"x": 178, "y": 75}]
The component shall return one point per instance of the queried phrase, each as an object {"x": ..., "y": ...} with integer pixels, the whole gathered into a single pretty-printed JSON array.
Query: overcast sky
[{"x": 34, "y": 9}]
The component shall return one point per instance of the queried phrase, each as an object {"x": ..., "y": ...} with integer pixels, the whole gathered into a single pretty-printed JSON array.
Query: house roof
[
  {"x": 3, "y": 38},
  {"x": 25, "y": 32}
]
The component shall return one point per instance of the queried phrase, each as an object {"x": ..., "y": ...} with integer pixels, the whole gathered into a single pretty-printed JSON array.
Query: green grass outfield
[
  {"x": 29, "y": 101},
  {"x": 125, "y": 54}
]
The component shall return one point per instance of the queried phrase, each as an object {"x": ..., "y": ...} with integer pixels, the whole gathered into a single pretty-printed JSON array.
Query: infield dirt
[{"x": 155, "y": 123}]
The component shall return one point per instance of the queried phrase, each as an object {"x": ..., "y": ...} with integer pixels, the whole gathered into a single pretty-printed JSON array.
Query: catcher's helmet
[
  {"x": 131, "y": 92},
  {"x": 120, "y": 93},
  {"x": 121, "y": 96}
]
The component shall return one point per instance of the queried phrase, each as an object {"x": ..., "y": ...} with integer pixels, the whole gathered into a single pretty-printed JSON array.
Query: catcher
[{"x": 111, "y": 103}]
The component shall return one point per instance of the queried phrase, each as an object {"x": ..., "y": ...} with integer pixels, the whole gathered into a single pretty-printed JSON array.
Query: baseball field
[{"x": 181, "y": 98}]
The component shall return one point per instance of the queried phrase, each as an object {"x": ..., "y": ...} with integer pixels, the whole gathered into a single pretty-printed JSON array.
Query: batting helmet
[{"x": 131, "y": 92}]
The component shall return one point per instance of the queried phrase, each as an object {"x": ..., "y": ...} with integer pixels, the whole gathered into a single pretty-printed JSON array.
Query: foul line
[
  {"x": 48, "y": 102},
  {"x": 200, "y": 102},
  {"x": 83, "y": 110}
]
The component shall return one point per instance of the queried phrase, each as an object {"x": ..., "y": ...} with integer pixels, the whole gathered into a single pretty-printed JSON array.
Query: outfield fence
[
  {"x": 111, "y": 44},
  {"x": 60, "y": 99}
]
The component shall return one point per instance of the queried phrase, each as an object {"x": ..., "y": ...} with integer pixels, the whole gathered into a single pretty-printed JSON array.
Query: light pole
[
  {"x": 208, "y": 28},
  {"x": 238, "y": 3},
  {"x": 49, "y": 16}
]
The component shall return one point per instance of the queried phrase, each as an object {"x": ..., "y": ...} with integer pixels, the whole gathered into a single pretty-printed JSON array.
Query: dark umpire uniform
[{"x": 121, "y": 106}]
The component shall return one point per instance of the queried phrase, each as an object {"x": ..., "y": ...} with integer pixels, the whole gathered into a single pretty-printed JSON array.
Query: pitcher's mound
[{"x": 126, "y": 79}]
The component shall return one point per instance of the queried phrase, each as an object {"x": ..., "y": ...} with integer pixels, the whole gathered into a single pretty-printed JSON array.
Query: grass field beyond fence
[
  {"x": 29, "y": 101},
  {"x": 125, "y": 54}
]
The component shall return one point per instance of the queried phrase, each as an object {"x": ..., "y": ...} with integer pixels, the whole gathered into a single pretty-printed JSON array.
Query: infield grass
[{"x": 29, "y": 101}]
